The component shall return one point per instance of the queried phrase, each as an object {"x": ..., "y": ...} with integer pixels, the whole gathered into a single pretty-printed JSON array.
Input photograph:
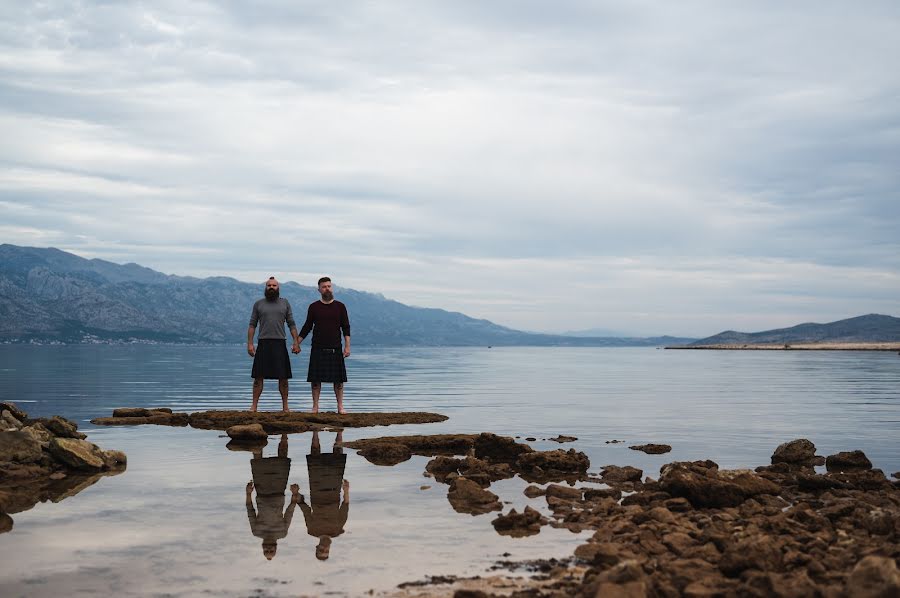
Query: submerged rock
[
  {"x": 466, "y": 496},
  {"x": 519, "y": 525},
  {"x": 652, "y": 449},
  {"x": 562, "y": 438},
  {"x": 385, "y": 453}
]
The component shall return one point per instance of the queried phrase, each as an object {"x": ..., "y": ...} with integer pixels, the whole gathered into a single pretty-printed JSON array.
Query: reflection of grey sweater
[{"x": 271, "y": 316}]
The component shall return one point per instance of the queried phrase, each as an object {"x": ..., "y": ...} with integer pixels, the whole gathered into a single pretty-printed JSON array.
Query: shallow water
[{"x": 176, "y": 522}]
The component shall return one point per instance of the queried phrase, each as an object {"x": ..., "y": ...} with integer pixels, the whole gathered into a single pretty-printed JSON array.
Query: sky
[{"x": 641, "y": 168}]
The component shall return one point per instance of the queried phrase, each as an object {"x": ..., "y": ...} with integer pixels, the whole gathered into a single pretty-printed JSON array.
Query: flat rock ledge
[
  {"x": 273, "y": 422},
  {"x": 46, "y": 459}
]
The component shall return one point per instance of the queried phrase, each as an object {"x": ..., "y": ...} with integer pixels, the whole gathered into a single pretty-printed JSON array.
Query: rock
[
  {"x": 428, "y": 445},
  {"x": 602, "y": 493},
  {"x": 614, "y": 473},
  {"x": 847, "y": 460},
  {"x": 6, "y": 523},
  {"x": 245, "y": 433},
  {"x": 519, "y": 525},
  {"x": 614, "y": 441},
  {"x": 40, "y": 434},
  {"x": 9, "y": 422},
  {"x": 760, "y": 552},
  {"x": 491, "y": 447},
  {"x": 62, "y": 427},
  {"x": 425, "y": 487},
  {"x": 795, "y": 451},
  {"x": 553, "y": 463},
  {"x": 440, "y": 466},
  {"x": 533, "y": 491},
  {"x": 530, "y": 439},
  {"x": 18, "y": 446},
  {"x": 131, "y": 412},
  {"x": 564, "y": 492},
  {"x": 561, "y": 438},
  {"x": 114, "y": 459},
  {"x": 14, "y": 410},
  {"x": 604, "y": 554},
  {"x": 874, "y": 577},
  {"x": 652, "y": 449},
  {"x": 704, "y": 485},
  {"x": 76, "y": 453},
  {"x": 624, "y": 580},
  {"x": 466, "y": 496},
  {"x": 385, "y": 453}
]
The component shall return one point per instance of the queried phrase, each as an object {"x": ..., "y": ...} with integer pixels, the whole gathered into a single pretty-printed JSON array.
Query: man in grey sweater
[{"x": 270, "y": 357}]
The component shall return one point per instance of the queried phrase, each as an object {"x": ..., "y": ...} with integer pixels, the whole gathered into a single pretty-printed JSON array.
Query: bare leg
[
  {"x": 283, "y": 389},
  {"x": 316, "y": 390},
  {"x": 283, "y": 446},
  {"x": 257, "y": 390},
  {"x": 338, "y": 448},
  {"x": 315, "y": 448},
  {"x": 339, "y": 395}
]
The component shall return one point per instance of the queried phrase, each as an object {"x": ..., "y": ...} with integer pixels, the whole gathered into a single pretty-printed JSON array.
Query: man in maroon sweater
[{"x": 328, "y": 319}]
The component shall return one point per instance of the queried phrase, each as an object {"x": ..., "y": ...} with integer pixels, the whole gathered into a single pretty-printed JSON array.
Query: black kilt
[
  {"x": 271, "y": 361},
  {"x": 326, "y": 365}
]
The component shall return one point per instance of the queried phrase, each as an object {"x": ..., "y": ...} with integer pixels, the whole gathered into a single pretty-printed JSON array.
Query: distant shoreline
[{"x": 795, "y": 347}]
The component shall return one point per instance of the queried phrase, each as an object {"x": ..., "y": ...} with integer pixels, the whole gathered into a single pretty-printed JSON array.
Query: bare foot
[
  {"x": 342, "y": 411},
  {"x": 285, "y": 410}
]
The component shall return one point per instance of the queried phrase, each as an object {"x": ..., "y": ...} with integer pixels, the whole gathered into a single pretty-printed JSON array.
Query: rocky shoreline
[
  {"x": 45, "y": 459},
  {"x": 783, "y": 529},
  {"x": 827, "y": 346}
]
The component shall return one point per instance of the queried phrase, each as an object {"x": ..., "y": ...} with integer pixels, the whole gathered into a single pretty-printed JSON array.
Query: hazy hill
[
  {"x": 50, "y": 295},
  {"x": 871, "y": 328}
]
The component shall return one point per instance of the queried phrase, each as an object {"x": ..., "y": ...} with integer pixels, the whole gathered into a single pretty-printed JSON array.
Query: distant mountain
[
  {"x": 595, "y": 332},
  {"x": 872, "y": 328},
  {"x": 48, "y": 295}
]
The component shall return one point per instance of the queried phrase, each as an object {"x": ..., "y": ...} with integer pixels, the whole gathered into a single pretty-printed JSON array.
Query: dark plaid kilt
[
  {"x": 326, "y": 365},
  {"x": 272, "y": 361}
]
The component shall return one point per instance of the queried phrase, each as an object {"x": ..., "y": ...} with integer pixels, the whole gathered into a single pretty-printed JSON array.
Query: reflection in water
[
  {"x": 326, "y": 514},
  {"x": 21, "y": 495},
  {"x": 270, "y": 520}
]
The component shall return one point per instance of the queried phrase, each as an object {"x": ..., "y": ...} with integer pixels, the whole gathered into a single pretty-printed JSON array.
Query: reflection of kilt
[
  {"x": 270, "y": 475},
  {"x": 326, "y": 365},
  {"x": 271, "y": 361}
]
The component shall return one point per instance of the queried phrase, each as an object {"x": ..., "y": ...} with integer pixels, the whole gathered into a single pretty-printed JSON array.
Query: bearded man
[
  {"x": 328, "y": 320},
  {"x": 270, "y": 357}
]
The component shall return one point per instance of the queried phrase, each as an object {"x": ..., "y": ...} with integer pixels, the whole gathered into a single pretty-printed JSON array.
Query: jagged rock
[
  {"x": 795, "y": 451},
  {"x": 624, "y": 580},
  {"x": 9, "y": 422},
  {"x": 564, "y": 492},
  {"x": 441, "y": 466},
  {"x": 604, "y": 554},
  {"x": 519, "y": 525},
  {"x": 41, "y": 434},
  {"x": 704, "y": 485},
  {"x": 760, "y": 552},
  {"x": 62, "y": 427},
  {"x": 847, "y": 460},
  {"x": 652, "y": 449},
  {"x": 77, "y": 453},
  {"x": 6, "y": 523},
  {"x": 245, "y": 433},
  {"x": 553, "y": 463},
  {"x": 466, "y": 496},
  {"x": 19, "y": 447},
  {"x": 874, "y": 577},
  {"x": 491, "y": 447},
  {"x": 385, "y": 453},
  {"x": 14, "y": 410},
  {"x": 601, "y": 493},
  {"x": 614, "y": 473}
]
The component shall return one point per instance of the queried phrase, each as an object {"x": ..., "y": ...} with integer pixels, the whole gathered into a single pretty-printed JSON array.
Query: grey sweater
[{"x": 271, "y": 317}]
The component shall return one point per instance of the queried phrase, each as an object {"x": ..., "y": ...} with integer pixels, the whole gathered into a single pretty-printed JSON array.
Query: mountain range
[
  {"x": 871, "y": 328},
  {"x": 49, "y": 295}
]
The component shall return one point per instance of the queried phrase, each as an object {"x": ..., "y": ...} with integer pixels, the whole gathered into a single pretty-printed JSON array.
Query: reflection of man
[
  {"x": 270, "y": 477},
  {"x": 325, "y": 514},
  {"x": 327, "y": 318},
  {"x": 270, "y": 357}
]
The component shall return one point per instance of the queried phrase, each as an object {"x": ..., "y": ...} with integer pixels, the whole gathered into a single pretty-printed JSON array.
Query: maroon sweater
[{"x": 327, "y": 321}]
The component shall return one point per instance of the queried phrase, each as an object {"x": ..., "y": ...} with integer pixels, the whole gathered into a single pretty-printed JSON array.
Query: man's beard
[
  {"x": 327, "y": 296},
  {"x": 272, "y": 294}
]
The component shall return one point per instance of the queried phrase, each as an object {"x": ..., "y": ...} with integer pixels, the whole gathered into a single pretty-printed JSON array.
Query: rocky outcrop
[
  {"x": 385, "y": 453},
  {"x": 563, "y": 438},
  {"x": 249, "y": 433},
  {"x": 795, "y": 452},
  {"x": 701, "y": 483},
  {"x": 138, "y": 416},
  {"x": 429, "y": 446},
  {"x": 552, "y": 465},
  {"x": 46, "y": 459},
  {"x": 499, "y": 449}
]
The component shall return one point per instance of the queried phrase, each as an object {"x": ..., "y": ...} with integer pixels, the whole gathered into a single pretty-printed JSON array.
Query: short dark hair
[{"x": 323, "y": 279}]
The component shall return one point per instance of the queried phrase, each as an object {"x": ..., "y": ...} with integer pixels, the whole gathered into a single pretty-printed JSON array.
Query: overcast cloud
[{"x": 648, "y": 167}]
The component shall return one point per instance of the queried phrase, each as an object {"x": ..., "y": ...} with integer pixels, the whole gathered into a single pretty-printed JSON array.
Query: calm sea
[{"x": 176, "y": 522}]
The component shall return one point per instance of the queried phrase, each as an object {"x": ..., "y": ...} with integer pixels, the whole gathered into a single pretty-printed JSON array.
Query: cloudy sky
[{"x": 641, "y": 167}]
